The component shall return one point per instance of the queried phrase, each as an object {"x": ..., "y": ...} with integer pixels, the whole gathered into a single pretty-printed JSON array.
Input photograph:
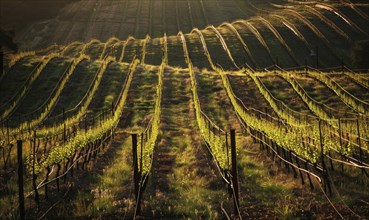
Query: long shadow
[{"x": 184, "y": 183}]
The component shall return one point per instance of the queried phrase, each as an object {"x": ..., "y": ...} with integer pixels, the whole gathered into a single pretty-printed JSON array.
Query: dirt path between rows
[{"x": 184, "y": 182}]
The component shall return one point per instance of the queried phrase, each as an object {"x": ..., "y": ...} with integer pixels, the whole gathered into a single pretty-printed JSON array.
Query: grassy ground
[
  {"x": 183, "y": 183},
  {"x": 321, "y": 93},
  {"x": 104, "y": 193},
  {"x": 110, "y": 87},
  {"x": 41, "y": 89},
  {"x": 218, "y": 55},
  {"x": 245, "y": 89},
  {"x": 107, "y": 191},
  {"x": 110, "y": 191},
  {"x": 74, "y": 50},
  {"x": 15, "y": 78},
  {"x": 267, "y": 190},
  {"x": 233, "y": 45},
  {"x": 214, "y": 100},
  {"x": 282, "y": 91},
  {"x": 352, "y": 87},
  {"x": 196, "y": 52},
  {"x": 216, "y": 105},
  {"x": 95, "y": 51},
  {"x": 175, "y": 55},
  {"x": 261, "y": 56},
  {"x": 77, "y": 87},
  {"x": 140, "y": 105}
]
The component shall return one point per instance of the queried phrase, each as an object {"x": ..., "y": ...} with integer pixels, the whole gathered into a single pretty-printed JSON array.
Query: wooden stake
[
  {"x": 135, "y": 167},
  {"x": 325, "y": 171},
  {"x": 234, "y": 170},
  {"x": 22, "y": 212}
]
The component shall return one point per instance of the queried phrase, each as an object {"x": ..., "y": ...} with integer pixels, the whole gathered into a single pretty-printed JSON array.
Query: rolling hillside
[{"x": 189, "y": 109}]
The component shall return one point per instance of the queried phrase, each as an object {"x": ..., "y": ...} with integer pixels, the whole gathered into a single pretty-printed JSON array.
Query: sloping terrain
[{"x": 189, "y": 109}]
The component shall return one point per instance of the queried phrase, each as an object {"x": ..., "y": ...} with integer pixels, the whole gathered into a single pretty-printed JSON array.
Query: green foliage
[
  {"x": 357, "y": 104},
  {"x": 81, "y": 111},
  {"x": 61, "y": 152},
  {"x": 216, "y": 142},
  {"x": 292, "y": 117},
  {"x": 152, "y": 130},
  {"x": 314, "y": 106},
  {"x": 28, "y": 83},
  {"x": 290, "y": 138},
  {"x": 14, "y": 59},
  {"x": 53, "y": 99}
]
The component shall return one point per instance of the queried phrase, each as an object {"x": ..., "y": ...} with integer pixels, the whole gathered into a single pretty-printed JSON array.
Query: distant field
[{"x": 268, "y": 31}]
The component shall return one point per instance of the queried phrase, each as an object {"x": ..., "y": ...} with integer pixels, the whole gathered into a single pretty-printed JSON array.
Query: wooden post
[
  {"x": 267, "y": 144},
  {"x": 298, "y": 165},
  {"x": 260, "y": 140},
  {"x": 34, "y": 176},
  {"x": 34, "y": 145},
  {"x": 285, "y": 162},
  {"x": 273, "y": 149},
  {"x": 308, "y": 175},
  {"x": 72, "y": 163},
  {"x": 227, "y": 148},
  {"x": 331, "y": 162},
  {"x": 65, "y": 169},
  {"x": 22, "y": 212},
  {"x": 64, "y": 128},
  {"x": 325, "y": 171},
  {"x": 341, "y": 145},
  {"x": 234, "y": 170},
  {"x": 358, "y": 139},
  {"x": 227, "y": 172},
  {"x": 141, "y": 150},
  {"x": 279, "y": 153},
  {"x": 359, "y": 142},
  {"x": 291, "y": 161},
  {"x": 46, "y": 180},
  {"x": 135, "y": 167}
]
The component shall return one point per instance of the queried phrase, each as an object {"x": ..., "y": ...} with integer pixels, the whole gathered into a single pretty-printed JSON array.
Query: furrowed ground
[{"x": 127, "y": 109}]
